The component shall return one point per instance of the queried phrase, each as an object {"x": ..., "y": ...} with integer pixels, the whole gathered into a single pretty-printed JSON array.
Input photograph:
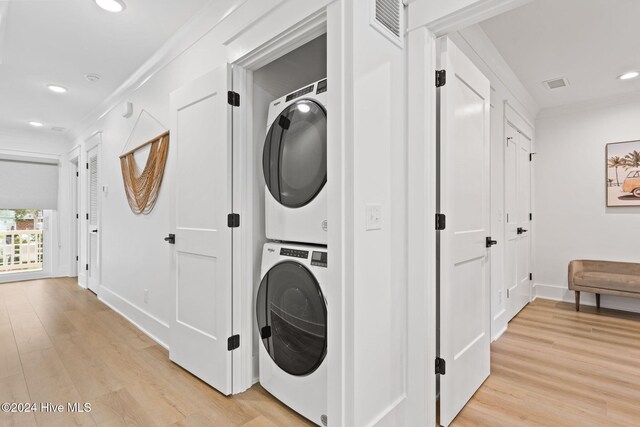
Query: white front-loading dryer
[
  {"x": 291, "y": 314},
  {"x": 294, "y": 163}
]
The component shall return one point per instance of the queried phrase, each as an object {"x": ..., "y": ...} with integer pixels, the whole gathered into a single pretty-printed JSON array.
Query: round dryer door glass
[
  {"x": 292, "y": 318},
  {"x": 294, "y": 159}
]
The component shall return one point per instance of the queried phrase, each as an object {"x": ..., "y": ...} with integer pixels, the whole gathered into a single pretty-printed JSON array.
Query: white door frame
[
  {"x": 95, "y": 141},
  {"x": 74, "y": 230},
  {"x": 244, "y": 176},
  {"x": 422, "y": 188}
]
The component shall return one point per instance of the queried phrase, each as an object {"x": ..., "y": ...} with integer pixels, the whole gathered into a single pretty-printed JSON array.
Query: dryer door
[
  {"x": 294, "y": 159},
  {"x": 292, "y": 318}
]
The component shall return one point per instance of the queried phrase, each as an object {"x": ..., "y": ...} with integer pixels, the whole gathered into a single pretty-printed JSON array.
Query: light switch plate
[{"x": 374, "y": 216}]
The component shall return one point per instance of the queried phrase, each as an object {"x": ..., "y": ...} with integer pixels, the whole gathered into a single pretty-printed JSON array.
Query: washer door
[
  {"x": 292, "y": 318},
  {"x": 294, "y": 159}
]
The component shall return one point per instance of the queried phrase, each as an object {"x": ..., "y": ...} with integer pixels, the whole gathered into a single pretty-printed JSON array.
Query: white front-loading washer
[
  {"x": 294, "y": 162},
  {"x": 291, "y": 314}
]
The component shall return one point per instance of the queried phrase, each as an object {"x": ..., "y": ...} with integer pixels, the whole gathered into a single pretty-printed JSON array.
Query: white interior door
[
  {"x": 518, "y": 211},
  {"x": 93, "y": 219},
  {"x": 464, "y": 288},
  {"x": 201, "y": 136}
]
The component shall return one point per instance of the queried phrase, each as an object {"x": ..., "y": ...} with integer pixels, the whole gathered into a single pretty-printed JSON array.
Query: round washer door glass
[
  {"x": 294, "y": 159},
  {"x": 292, "y": 318}
]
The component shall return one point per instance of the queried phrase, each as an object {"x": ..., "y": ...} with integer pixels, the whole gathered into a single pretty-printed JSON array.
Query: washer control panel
[
  {"x": 300, "y": 92},
  {"x": 294, "y": 253},
  {"x": 319, "y": 259}
]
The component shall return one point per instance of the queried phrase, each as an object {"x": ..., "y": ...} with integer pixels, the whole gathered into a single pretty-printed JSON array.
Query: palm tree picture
[
  {"x": 625, "y": 190},
  {"x": 616, "y": 162}
]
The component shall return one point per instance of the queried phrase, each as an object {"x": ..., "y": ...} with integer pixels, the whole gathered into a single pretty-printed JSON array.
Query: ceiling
[
  {"x": 60, "y": 41},
  {"x": 590, "y": 42}
]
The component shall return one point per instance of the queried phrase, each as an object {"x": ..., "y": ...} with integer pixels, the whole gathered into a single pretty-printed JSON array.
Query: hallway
[
  {"x": 555, "y": 366},
  {"x": 59, "y": 344}
]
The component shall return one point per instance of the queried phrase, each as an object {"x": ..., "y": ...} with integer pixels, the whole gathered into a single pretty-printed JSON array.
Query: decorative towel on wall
[{"x": 142, "y": 187}]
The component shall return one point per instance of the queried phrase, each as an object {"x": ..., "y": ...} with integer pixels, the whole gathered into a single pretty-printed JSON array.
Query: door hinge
[
  {"x": 531, "y": 156},
  {"x": 530, "y": 217},
  {"x": 86, "y": 267},
  {"x": 530, "y": 276},
  {"x": 441, "y": 222},
  {"x": 87, "y": 217},
  {"x": 441, "y": 366},
  {"x": 233, "y": 98},
  {"x": 233, "y": 342},
  {"x": 87, "y": 165},
  {"x": 77, "y": 173},
  {"x": 441, "y": 78},
  {"x": 233, "y": 220},
  {"x": 77, "y": 259},
  {"x": 77, "y": 216}
]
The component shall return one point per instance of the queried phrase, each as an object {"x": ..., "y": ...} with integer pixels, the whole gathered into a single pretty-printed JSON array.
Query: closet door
[
  {"x": 511, "y": 218},
  {"x": 93, "y": 216},
  {"x": 201, "y": 324},
  {"x": 465, "y": 311}
]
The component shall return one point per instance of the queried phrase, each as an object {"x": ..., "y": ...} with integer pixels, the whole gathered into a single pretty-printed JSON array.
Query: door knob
[
  {"x": 94, "y": 231},
  {"x": 171, "y": 238},
  {"x": 521, "y": 230},
  {"x": 491, "y": 242}
]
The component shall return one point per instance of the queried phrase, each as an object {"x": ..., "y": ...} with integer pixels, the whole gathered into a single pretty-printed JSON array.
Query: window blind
[{"x": 28, "y": 183}]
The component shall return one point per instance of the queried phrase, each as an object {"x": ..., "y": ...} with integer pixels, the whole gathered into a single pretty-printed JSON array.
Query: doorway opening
[{"x": 21, "y": 240}]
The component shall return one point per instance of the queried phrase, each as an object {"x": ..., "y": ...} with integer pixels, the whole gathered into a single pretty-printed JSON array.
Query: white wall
[
  {"x": 572, "y": 220},
  {"x": 506, "y": 89}
]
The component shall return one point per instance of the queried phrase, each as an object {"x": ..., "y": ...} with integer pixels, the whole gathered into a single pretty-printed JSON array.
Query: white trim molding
[
  {"x": 562, "y": 293},
  {"x": 153, "y": 327}
]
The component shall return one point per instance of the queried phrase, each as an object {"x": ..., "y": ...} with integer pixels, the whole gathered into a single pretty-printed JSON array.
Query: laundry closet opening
[{"x": 288, "y": 146}]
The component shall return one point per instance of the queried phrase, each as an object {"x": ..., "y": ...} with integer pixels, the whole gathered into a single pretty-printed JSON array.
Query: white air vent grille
[
  {"x": 388, "y": 14},
  {"x": 93, "y": 190},
  {"x": 386, "y": 17},
  {"x": 556, "y": 83}
]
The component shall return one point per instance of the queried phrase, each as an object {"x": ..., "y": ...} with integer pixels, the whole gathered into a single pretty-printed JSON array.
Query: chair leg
[
  {"x": 598, "y": 301},
  {"x": 577, "y": 300}
]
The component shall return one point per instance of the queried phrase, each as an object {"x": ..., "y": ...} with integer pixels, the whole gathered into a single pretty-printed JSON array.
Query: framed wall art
[{"x": 623, "y": 173}]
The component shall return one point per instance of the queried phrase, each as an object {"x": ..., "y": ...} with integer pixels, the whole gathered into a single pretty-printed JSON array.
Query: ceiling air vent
[
  {"x": 387, "y": 18},
  {"x": 556, "y": 83}
]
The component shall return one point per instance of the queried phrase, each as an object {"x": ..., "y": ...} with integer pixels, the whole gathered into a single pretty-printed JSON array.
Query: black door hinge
[
  {"x": 490, "y": 242},
  {"x": 233, "y": 98},
  {"x": 87, "y": 217},
  {"x": 441, "y": 78},
  {"x": 233, "y": 220},
  {"x": 233, "y": 342},
  {"x": 87, "y": 165},
  {"x": 530, "y": 276},
  {"x": 530, "y": 217},
  {"x": 77, "y": 173},
  {"x": 441, "y": 366},
  {"x": 77, "y": 259},
  {"x": 86, "y": 267},
  {"x": 531, "y": 156},
  {"x": 77, "y": 216},
  {"x": 441, "y": 222}
]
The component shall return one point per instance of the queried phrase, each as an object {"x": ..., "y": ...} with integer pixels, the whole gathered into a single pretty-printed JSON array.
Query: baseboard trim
[
  {"x": 562, "y": 293},
  {"x": 499, "y": 334},
  {"x": 24, "y": 276},
  {"x": 150, "y": 325}
]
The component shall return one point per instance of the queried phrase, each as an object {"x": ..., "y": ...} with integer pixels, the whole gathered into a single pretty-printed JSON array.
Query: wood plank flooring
[
  {"x": 59, "y": 344},
  {"x": 558, "y": 367}
]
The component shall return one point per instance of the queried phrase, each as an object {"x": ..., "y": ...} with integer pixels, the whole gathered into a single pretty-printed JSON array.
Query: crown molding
[
  {"x": 593, "y": 104},
  {"x": 205, "y": 20}
]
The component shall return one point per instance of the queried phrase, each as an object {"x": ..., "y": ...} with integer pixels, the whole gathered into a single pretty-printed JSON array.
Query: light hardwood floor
[
  {"x": 558, "y": 367},
  {"x": 58, "y": 343}
]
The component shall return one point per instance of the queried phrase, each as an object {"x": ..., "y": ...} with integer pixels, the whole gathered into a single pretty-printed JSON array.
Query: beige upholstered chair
[{"x": 604, "y": 277}]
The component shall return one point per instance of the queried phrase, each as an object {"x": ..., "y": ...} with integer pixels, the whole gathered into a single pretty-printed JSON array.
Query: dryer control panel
[
  {"x": 295, "y": 253},
  {"x": 319, "y": 259}
]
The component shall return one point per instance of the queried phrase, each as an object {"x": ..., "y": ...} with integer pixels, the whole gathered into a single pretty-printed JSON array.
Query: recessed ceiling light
[
  {"x": 92, "y": 77},
  {"x": 58, "y": 129},
  {"x": 36, "y": 124},
  {"x": 111, "y": 5},
  {"x": 57, "y": 88},
  {"x": 629, "y": 75}
]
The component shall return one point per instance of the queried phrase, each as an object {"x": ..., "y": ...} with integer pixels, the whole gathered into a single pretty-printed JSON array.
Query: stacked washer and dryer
[{"x": 291, "y": 308}]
